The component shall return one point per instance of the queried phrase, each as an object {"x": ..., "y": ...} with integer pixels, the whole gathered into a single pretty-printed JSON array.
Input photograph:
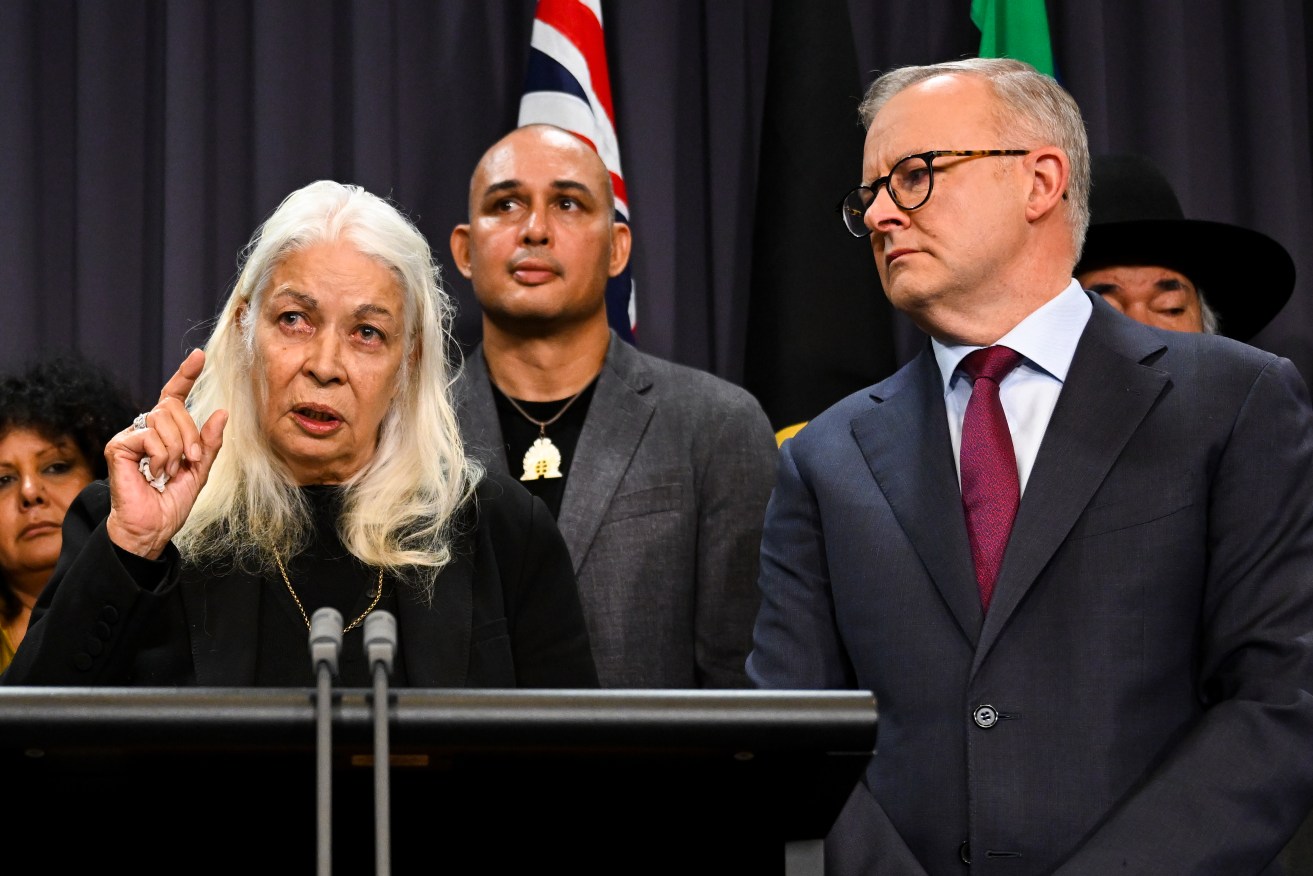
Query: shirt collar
[{"x": 1047, "y": 338}]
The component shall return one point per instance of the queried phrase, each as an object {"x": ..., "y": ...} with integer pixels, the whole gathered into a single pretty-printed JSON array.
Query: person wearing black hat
[{"x": 1150, "y": 262}]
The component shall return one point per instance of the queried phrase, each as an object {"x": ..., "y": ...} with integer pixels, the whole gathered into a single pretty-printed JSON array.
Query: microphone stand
[
  {"x": 325, "y": 646},
  {"x": 380, "y": 649}
]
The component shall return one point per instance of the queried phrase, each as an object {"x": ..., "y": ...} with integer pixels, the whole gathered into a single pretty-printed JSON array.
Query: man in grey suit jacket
[
  {"x": 658, "y": 474},
  {"x": 1122, "y": 684}
]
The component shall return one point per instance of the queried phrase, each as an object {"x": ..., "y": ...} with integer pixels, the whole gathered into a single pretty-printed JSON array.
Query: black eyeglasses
[{"x": 909, "y": 182}]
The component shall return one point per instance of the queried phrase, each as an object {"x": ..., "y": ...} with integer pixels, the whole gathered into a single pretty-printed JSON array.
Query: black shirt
[
  {"x": 519, "y": 435},
  {"x": 323, "y": 574}
]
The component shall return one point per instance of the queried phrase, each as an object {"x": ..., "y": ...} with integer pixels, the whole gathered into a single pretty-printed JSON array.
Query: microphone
[
  {"x": 380, "y": 649},
  {"x": 325, "y": 638},
  {"x": 325, "y": 646},
  {"x": 380, "y": 641}
]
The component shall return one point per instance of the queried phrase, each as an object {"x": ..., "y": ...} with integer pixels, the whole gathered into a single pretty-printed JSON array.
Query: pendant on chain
[{"x": 542, "y": 460}]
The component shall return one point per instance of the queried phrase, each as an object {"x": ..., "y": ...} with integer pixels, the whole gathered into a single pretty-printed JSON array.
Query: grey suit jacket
[
  {"x": 1139, "y": 697},
  {"x": 662, "y": 515}
]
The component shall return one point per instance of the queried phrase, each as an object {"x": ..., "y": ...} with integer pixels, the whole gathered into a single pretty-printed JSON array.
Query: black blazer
[{"x": 505, "y": 612}]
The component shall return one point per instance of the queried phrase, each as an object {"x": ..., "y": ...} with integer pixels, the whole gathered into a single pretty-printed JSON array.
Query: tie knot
[{"x": 992, "y": 363}]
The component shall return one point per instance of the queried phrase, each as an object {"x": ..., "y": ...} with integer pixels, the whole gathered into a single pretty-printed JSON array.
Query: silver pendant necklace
[{"x": 543, "y": 458}]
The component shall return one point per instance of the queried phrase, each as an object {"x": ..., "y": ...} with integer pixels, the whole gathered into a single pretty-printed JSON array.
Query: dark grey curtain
[{"x": 144, "y": 141}]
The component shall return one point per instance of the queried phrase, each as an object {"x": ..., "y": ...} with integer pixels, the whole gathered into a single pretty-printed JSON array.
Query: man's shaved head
[
  {"x": 542, "y": 240},
  {"x": 540, "y": 136}
]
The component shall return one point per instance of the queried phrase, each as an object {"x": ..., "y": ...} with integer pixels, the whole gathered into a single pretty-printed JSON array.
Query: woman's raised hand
[{"x": 143, "y": 517}]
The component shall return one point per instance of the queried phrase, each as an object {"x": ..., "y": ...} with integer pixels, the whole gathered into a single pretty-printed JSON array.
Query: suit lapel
[
  {"x": 1107, "y": 394},
  {"x": 223, "y": 621},
  {"x": 906, "y": 445},
  {"x": 477, "y": 413},
  {"x": 617, "y": 418}
]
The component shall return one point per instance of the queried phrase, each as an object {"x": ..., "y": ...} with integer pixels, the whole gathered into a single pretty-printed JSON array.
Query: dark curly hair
[
  {"x": 63, "y": 397},
  {"x": 67, "y": 397}
]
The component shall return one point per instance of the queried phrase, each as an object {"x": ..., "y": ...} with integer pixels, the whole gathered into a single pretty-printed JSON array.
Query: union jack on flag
[{"x": 567, "y": 85}]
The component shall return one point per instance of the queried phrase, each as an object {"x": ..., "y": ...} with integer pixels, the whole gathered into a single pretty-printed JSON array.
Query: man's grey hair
[
  {"x": 1033, "y": 104},
  {"x": 1212, "y": 324}
]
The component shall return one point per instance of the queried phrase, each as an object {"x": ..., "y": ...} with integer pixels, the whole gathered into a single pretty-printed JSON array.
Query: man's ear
[
  {"x": 621, "y": 239},
  {"x": 460, "y": 248},
  {"x": 1051, "y": 171}
]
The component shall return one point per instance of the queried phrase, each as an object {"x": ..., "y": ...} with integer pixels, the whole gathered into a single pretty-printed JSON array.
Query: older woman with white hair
[{"x": 342, "y": 481}]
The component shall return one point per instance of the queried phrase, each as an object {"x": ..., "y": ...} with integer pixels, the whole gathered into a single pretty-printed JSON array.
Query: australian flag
[{"x": 568, "y": 86}]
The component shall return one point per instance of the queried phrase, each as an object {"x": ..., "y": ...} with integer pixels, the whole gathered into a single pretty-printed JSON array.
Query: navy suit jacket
[{"x": 1137, "y": 699}]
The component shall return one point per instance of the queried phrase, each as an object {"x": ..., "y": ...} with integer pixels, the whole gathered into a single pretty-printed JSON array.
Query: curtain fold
[{"x": 146, "y": 140}]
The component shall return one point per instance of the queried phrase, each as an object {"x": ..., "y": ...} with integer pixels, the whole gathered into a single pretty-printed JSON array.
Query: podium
[{"x": 204, "y": 780}]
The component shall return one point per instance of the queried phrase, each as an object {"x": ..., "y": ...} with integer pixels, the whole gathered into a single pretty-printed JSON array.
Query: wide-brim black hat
[{"x": 1136, "y": 219}]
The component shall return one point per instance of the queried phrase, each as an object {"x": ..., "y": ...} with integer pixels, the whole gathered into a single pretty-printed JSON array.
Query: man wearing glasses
[{"x": 1070, "y": 554}]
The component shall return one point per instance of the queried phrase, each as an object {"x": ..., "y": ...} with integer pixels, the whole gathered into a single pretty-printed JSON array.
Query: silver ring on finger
[
  {"x": 143, "y": 466},
  {"x": 139, "y": 424}
]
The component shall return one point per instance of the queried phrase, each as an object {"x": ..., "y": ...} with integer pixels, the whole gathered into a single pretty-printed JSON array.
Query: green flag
[{"x": 1017, "y": 29}]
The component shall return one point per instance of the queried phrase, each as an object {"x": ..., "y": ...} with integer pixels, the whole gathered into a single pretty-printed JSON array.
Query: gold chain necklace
[
  {"x": 543, "y": 458},
  {"x": 378, "y": 592}
]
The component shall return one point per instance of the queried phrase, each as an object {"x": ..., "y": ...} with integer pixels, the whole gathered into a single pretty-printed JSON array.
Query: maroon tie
[{"x": 990, "y": 489}]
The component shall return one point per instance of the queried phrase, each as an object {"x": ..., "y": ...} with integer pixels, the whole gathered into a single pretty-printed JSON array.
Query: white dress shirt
[{"x": 1047, "y": 340}]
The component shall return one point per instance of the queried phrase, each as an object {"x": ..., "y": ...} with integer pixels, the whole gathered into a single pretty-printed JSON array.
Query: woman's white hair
[{"x": 399, "y": 510}]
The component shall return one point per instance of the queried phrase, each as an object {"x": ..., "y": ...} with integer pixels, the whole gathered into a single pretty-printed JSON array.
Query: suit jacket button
[
  {"x": 94, "y": 646},
  {"x": 964, "y": 851},
  {"x": 985, "y": 717},
  {"x": 82, "y": 662},
  {"x": 109, "y": 614}
]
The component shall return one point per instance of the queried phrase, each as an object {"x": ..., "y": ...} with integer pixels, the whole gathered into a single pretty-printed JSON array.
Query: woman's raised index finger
[{"x": 180, "y": 384}]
